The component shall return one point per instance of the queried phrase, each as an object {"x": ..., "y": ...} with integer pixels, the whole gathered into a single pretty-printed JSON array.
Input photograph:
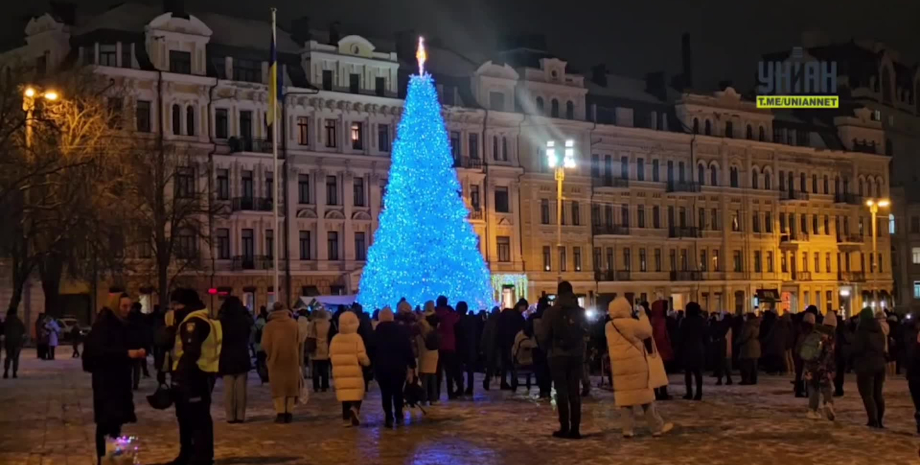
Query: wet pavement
[{"x": 46, "y": 418}]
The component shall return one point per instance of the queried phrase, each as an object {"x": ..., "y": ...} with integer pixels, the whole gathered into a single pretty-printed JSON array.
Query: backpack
[
  {"x": 523, "y": 356},
  {"x": 569, "y": 329},
  {"x": 433, "y": 340},
  {"x": 811, "y": 347}
]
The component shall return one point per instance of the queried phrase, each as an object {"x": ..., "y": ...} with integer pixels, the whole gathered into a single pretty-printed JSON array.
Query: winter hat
[
  {"x": 866, "y": 315},
  {"x": 830, "y": 319},
  {"x": 404, "y": 307},
  {"x": 619, "y": 308},
  {"x": 809, "y": 318},
  {"x": 429, "y": 307},
  {"x": 185, "y": 296},
  {"x": 385, "y": 315}
]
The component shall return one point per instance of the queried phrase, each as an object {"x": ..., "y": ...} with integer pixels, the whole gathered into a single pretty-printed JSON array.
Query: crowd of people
[{"x": 411, "y": 352}]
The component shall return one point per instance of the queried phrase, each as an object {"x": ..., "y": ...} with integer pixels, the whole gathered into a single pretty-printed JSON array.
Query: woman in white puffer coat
[
  {"x": 632, "y": 381},
  {"x": 348, "y": 355}
]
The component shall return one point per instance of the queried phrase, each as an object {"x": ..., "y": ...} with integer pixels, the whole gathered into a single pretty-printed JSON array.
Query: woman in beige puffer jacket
[
  {"x": 630, "y": 366},
  {"x": 427, "y": 359},
  {"x": 348, "y": 355}
]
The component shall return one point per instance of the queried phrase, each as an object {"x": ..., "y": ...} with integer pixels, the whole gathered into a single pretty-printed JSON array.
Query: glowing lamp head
[
  {"x": 569, "y": 159},
  {"x": 30, "y": 92},
  {"x": 51, "y": 95},
  {"x": 551, "y": 153},
  {"x": 884, "y": 203},
  {"x": 590, "y": 313}
]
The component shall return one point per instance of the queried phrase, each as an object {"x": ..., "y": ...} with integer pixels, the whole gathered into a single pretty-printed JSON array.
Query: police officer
[{"x": 195, "y": 360}]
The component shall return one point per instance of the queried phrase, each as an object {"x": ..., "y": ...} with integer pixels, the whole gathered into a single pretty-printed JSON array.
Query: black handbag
[{"x": 162, "y": 398}]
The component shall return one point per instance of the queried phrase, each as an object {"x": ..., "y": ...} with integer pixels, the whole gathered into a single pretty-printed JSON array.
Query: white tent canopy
[{"x": 328, "y": 300}]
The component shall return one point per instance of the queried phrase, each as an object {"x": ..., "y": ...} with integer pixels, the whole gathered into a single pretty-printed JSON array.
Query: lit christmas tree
[{"x": 424, "y": 246}]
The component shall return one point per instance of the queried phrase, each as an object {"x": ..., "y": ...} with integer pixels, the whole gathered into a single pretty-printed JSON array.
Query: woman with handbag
[
  {"x": 235, "y": 362},
  {"x": 633, "y": 377}
]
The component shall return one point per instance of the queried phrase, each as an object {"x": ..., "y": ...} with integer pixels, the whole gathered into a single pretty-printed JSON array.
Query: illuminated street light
[
  {"x": 568, "y": 161},
  {"x": 874, "y": 205},
  {"x": 30, "y": 92}
]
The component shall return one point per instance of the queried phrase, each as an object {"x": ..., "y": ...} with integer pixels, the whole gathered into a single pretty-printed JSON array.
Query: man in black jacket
[
  {"x": 394, "y": 359},
  {"x": 562, "y": 332},
  {"x": 467, "y": 344},
  {"x": 510, "y": 322}
]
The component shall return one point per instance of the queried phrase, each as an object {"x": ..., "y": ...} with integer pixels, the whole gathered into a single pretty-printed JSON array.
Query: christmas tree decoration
[{"x": 424, "y": 246}]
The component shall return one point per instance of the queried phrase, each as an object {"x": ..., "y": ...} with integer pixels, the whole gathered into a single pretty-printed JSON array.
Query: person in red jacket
[
  {"x": 659, "y": 321},
  {"x": 448, "y": 363}
]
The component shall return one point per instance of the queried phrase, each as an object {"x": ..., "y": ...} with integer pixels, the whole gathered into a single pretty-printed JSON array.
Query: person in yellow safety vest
[{"x": 195, "y": 358}]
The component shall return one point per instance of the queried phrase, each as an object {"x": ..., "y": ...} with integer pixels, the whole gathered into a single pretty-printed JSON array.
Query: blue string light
[{"x": 424, "y": 246}]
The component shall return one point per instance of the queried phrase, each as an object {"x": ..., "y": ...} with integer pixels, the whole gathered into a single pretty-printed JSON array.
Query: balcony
[
  {"x": 238, "y": 144},
  {"x": 848, "y": 198},
  {"x": 610, "y": 230},
  {"x": 252, "y": 262},
  {"x": 801, "y": 275},
  {"x": 476, "y": 215},
  {"x": 468, "y": 163},
  {"x": 686, "y": 276},
  {"x": 255, "y": 204},
  {"x": 851, "y": 276},
  {"x": 850, "y": 242},
  {"x": 792, "y": 195},
  {"x": 611, "y": 275},
  {"x": 610, "y": 181},
  {"x": 792, "y": 240},
  {"x": 686, "y": 187},
  {"x": 680, "y": 232}
]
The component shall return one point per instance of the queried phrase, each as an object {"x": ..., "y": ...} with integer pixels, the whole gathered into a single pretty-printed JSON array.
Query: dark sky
[{"x": 632, "y": 37}]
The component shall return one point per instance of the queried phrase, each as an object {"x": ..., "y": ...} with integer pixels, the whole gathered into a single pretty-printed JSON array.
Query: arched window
[
  {"x": 749, "y": 132},
  {"x": 540, "y": 105},
  {"x": 729, "y": 130},
  {"x": 767, "y": 182},
  {"x": 554, "y": 108},
  {"x": 708, "y": 127},
  {"x": 886, "y": 85},
  {"x": 869, "y": 187},
  {"x": 696, "y": 125},
  {"x": 190, "y": 121},
  {"x": 176, "y": 119},
  {"x": 701, "y": 175},
  {"x": 859, "y": 188},
  {"x": 733, "y": 176},
  {"x": 569, "y": 110},
  {"x": 761, "y": 136},
  {"x": 754, "y": 178},
  {"x": 713, "y": 176}
]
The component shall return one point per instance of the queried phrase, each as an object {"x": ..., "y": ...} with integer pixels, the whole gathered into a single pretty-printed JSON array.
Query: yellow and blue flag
[{"x": 274, "y": 87}]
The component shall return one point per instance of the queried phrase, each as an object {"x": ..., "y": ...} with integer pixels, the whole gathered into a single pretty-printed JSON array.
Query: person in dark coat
[
  {"x": 540, "y": 361},
  {"x": 235, "y": 363},
  {"x": 448, "y": 361},
  {"x": 911, "y": 340},
  {"x": 565, "y": 351},
  {"x": 773, "y": 344},
  {"x": 140, "y": 338},
  {"x": 842, "y": 352},
  {"x": 109, "y": 357},
  {"x": 869, "y": 364},
  {"x": 510, "y": 322},
  {"x": 366, "y": 331},
  {"x": 467, "y": 344},
  {"x": 394, "y": 359},
  {"x": 489, "y": 346},
  {"x": 14, "y": 332},
  {"x": 749, "y": 348},
  {"x": 806, "y": 326},
  {"x": 693, "y": 335}
]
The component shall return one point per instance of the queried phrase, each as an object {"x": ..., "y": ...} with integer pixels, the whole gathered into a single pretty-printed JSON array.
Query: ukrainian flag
[{"x": 274, "y": 88}]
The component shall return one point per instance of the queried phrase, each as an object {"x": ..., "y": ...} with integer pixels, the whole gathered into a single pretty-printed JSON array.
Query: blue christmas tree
[{"x": 424, "y": 246}]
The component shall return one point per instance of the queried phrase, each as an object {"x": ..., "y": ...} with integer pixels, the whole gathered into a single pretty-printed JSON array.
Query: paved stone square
[{"x": 46, "y": 418}]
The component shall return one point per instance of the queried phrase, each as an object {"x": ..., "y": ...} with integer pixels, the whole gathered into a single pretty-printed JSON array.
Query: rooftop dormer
[
  {"x": 177, "y": 43},
  {"x": 493, "y": 86},
  {"x": 351, "y": 64}
]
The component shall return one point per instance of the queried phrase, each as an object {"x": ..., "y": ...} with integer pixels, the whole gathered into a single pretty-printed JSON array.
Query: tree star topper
[{"x": 421, "y": 56}]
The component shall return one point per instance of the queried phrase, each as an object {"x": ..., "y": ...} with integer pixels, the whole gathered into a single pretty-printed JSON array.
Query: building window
[
  {"x": 624, "y": 215},
  {"x": 729, "y": 130},
  {"x": 220, "y": 123},
  {"x": 576, "y": 257},
  {"x": 656, "y": 217},
  {"x": 627, "y": 259},
  {"x": 474, "y": 145},
  {"x": 757, "y": 264},
  {"x": 223, "y": 184},
  {"x": 332, "y": 245},
  {"x": 497, "y": 101},
  {"x": 716, "y": 264},
  {"x": 704, "y": 262},
  {"x": 176, "y": 115},
  {"x": 701, "y": 218},
  {"x": 755, "y": 224},
  {"x": 380, "y": 86},
  {"x": 269, "y": 243},
  {"x": 504, "y": 148},
  {"x": 539, "y": 103},
  {"x": 640, "y": 169},
  {"x": 332, "y": 190},
  {"x": 186, "y": 246},
  {"x": 455, "y": 144},
  {"x": 180, "y": 62},
  {"x": 142, "y": 115},
  {"x": 305, "y": 245},
  {"x": 749, "y": 132},
  {"x": 658, "y": 260},
  {"x": 569, "y": 110},
  {"x": 360, "y": 247},
  {"x": 783, "y": 265},
  {"x": 754, "y": 180},
  {"x": 656, "y": 177},
  {"x": 504, "y": 248},
  {"x": 768, "y": 222},
  {"x": 248, "y": 244},
  {"x": 501, "y": 200},
  {"x": 696, "y": 125},
  {"x": 547, "y": 258},
  {"x": 769, "y": 261},
  {"x": 713, "y": 176},
  {"x": 767, "y": 182},
  {"x": 474, "y": 196},
  {"x": 643, "y": 260},
  {"x": 303, "y": 130},
  {"x": 108, "y": 55},
  {"x": 915, "y": 224},
  {"x": 915, "y": 253},
  {"x": 624, "y": 167},
  {"x": 185, "y": 182},
  {"x": 554, "y": 108},
  {"x": 327, "y": 79},
  {"x": 303, "y": 188},
  {"x": 383, "y": 137},
  {"x": 576, "y": 214},
  {"x": 733, "y": 176},
  {"x": 818, "y": 262},
  {"x": 246, "y": 125},
  {"x": 247, "y": 70},
  {"x": 189, "y": 120},
  {"x": 354, "y": 83},
  {"x": 223, "y": 244},
  {"x": 715, "y": 219},
  {"x": 708, "y": 130},
  {"x": 357, "y": 136},
  {"x": 358, "y": 191},
  {"x": 562, "y": 258},
  {"x": 917, "y": 289},
  {"x": 736, "y": 260},
  {"x": 736, "y": 222},
  {"x": 330, "y": 133},
  {"x": 761, "y": 136},
  {"x": 640, "y": 216}
]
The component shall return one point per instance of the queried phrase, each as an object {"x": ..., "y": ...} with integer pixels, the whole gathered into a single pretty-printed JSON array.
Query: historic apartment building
[{"x": 675, "y": 194}]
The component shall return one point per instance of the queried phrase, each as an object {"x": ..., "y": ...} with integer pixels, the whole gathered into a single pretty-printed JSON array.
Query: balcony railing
[
  {"x": 476, "y": 215},
  {"x": 244, "y": 144},
  {"x": 850, "y": 239},
  {"x": 252, "y": 262},
  {"x": 690, "y": 187},
  {"x": 801, "y": 275},
  {"x": 793, "y": 195},
  {"x": 686, "y": 276},
  {"x": 468, "y": 162},
  {"x": 684, "y": 231},
  {"x": 610, "y": 181},
  {"x": 847, "y": 198},
  {"x": 610, "y": 229},
  {"x": 793, "y": 237},
  {"x": 611, "y": 275},
  {"x": 851, "y": 276},
  {"x": 258, "y": 204}
]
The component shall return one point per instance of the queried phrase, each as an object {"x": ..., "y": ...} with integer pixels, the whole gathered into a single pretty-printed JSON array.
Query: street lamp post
[
  {"x": 28, "y": 105},
  {"x": 568, "y": 161},
  {"x": 873, "y": 208}
]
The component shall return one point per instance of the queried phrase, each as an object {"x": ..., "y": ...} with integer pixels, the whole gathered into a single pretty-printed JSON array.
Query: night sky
[{"x": 631, "y": 37}]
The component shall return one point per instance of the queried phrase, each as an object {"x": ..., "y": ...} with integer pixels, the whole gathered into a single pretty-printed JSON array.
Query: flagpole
[{"x": 278, "y": 176}]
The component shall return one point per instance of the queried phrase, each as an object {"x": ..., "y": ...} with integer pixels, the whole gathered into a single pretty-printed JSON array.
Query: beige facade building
[{"x": 676, "y": 195}]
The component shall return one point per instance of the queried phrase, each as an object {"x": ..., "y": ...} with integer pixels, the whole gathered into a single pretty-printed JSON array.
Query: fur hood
[{"x": 348, "y": 323}]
